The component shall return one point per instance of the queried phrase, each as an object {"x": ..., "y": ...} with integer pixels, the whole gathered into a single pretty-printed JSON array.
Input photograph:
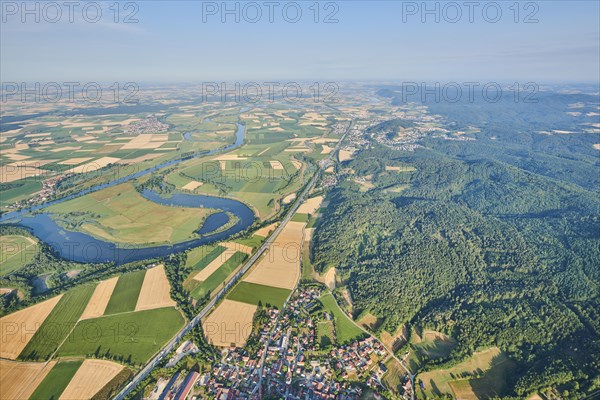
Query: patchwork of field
[
  {"x": 267, "y": 169},
  {"x": 231, "y": 322},
  {"x": 63, "y": 317},
  {"x": 17, "y": 328},
  {"x": 16, "y": 251},
  {"x": 57, "y": 380},
  {"x": 78, "y": 322},
  {"x": 99, "y": 301},
  {"x": 121, "y": 214},
  {"x": 91, "y": 376},
  {"x": 18, "y": 380},
  {"x": 280, "y": 267}
]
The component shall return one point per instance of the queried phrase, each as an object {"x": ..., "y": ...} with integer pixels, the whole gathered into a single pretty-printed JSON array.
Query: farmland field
[
  {"x": 491, "y": 361},
  {"x": 219, "y": 276},
  {"x": 90, "y": 378},
  {"x": 57, "y": 380},
  {"x": 58, "y": 324},
  {"x": 253, "y": 293},
  {"x": 345, "y": 329},
  {"x": 155, "y": 291},
  {"x": 24, "y": 321},
  {"x": 230, "y": 322},
  {"x": 17, "y": 250},
  {"x": 131, "y": 337},
  {"x": 121, "y": 214},
  {"x": 125, "y": 295},
  {"x": 20, "y": 379}
]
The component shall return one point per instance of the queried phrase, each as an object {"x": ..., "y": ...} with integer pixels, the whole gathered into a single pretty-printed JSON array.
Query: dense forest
[{"x": 494, "y": 241}]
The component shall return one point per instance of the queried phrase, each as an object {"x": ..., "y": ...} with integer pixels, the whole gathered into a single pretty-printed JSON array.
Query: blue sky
[{"x": 172, "y": 43}]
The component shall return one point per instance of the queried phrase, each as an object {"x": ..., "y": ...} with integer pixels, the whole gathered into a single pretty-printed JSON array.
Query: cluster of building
[
  {"x": 151, "y": 124},
  {"x": 46, "y": 193}
]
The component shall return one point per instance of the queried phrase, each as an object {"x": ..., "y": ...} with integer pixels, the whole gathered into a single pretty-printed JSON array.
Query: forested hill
[{"x": 494, "y": 241}]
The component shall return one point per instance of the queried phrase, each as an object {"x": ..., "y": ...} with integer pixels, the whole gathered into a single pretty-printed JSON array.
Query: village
[{"x": 283, "y": 358}]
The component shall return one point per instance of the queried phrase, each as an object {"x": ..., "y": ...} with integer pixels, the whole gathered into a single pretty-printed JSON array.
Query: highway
[{"x": 170, "y": 346}]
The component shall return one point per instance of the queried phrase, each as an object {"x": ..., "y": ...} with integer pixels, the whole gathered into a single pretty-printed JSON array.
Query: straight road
[{"x": 170, "y": 346}]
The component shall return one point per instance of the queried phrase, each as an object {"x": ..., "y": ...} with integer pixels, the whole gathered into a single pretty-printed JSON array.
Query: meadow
[
  {"x": 16, "y": 251},
  {"x": 253, "y": 293},
  {"x": 130, "y": 337},
  {"x": 121, "y": 214},
  {"x": 345, "y": 329},
  {"x": 483, "y": 371}
]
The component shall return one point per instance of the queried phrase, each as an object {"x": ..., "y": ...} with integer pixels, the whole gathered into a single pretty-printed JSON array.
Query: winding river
[{"x": 81, "y": 247}]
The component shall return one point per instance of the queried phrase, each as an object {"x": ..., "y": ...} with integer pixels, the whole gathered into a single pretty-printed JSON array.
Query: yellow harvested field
[
  {"x": 18, "y": 328},
  {"x": 296, "y": 164},
  {"x": 95, "y": 165},
  {"x": 311, "y": 205},
  {"x": 66, "y": 148},
  {"x": 230, "y": 157},
  {"x": 266, "y": 230},
  {"x": 213, "y": 266},
  {"x": 90, "y": 378},
  {"x": 75, "y": 161},
  {"x": 15, "y": 171},
  {"x": 396, "y": 340},
  {"x": 329, "y": 278},
  {"x": 289, "y": 198},
  {"x": 17, "y": 157},
  {"x": 145, "y": 141},
  {"x": 18, "y": 380},
  {"x": 280, "y": 267},
  {"x": 156, "y": 291},
  {"x": 99, "y": 300},
  {"x": 392, "y": 168},
  {"x": 231, "y": 322},
  {"x": 345, "y": 155},
  {"x": 276, "y": 165},
  {"x": 326, "y": 140},
  {"x": 326, "y": 149},
  {"x": 233, "y": 247},
  {"x": 5, "y": 290},
  {"x": 193, "y": 185},
  {"x": 308, "y": 233}
]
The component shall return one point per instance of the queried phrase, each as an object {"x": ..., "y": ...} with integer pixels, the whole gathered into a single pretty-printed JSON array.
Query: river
[{"x": 81, "y": 247}]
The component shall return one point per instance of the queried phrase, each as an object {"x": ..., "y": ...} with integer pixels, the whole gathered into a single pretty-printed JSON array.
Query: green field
[
  {"x": 121, "y": 214},
  {"x": 219, "y": 276},
  {"x": 56, "y": 381},
  {"x": 16, "y": 251},
  {"x": 131, "y": 338},
  {"x": 200, "y": 257},
  {"x": 58, "y": 324},
  {"x": 126, "y": 293},
  {"x": 345, "y": 329},
  {"x": 253, "y": 293},
  {"x": 19, "y": 190},
  {"x": 300, "y": 217},
  {"x": 325, "y": 333}
]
